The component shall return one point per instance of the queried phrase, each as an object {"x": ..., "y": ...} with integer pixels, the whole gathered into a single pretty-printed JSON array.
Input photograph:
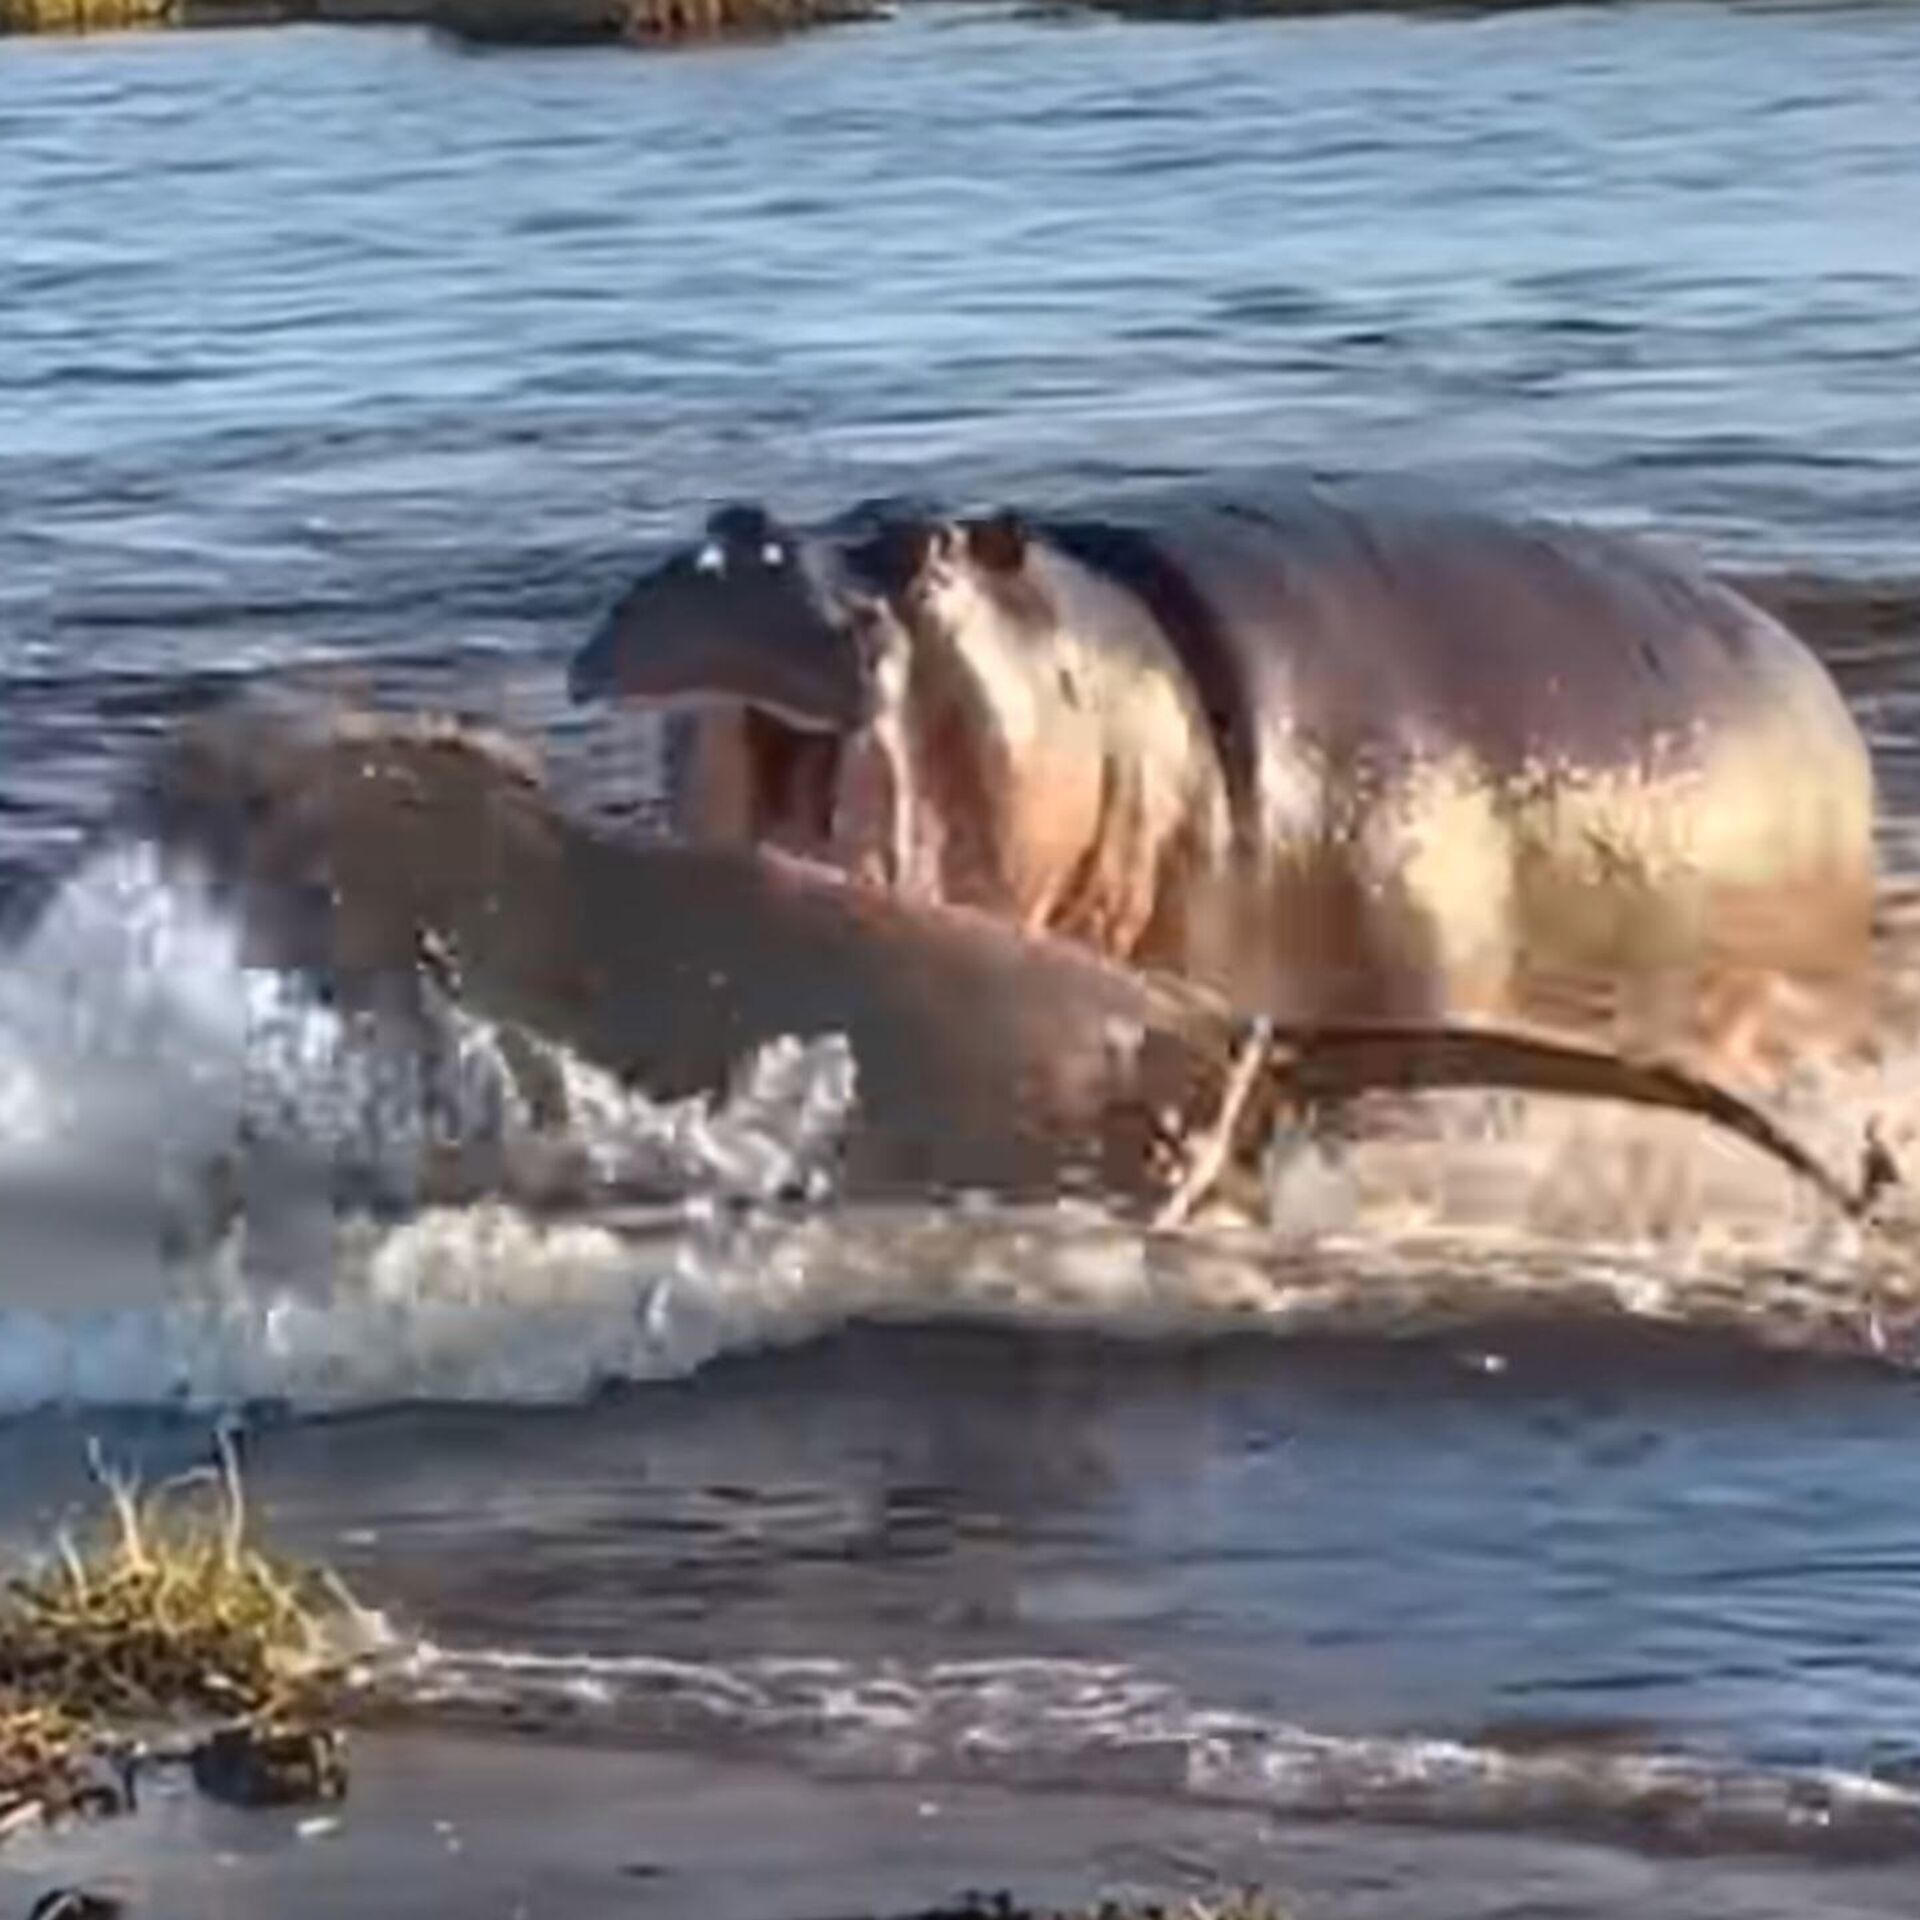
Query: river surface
[{"x": 352, "y": 358}]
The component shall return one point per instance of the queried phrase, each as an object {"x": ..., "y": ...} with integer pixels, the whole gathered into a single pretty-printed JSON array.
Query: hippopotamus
[
  {"x": 374, "y": 854},
  {"x": 1337, "y": 753}
]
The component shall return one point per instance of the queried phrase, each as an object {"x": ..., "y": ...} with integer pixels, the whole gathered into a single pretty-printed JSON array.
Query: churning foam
[
  {"x": 211, "y": 1191},
  {"x": 1084, "y": 1726},
  {"x": 206, "y": 1176}
]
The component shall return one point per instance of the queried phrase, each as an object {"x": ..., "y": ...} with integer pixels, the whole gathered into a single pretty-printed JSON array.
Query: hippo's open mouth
[
  {"x": 743, "y": 774},
  {"x": 761, "y": 645},
  {"x": 783, "y": 777}
]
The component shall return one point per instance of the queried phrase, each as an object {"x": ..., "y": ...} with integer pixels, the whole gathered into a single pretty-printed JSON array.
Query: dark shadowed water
[{"x": 354, "y": 353}]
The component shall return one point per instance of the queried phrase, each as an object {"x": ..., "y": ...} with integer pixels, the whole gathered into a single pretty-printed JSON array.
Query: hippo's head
[
  {"x": 931, "y": 574},
  {"x": 746, "y": 617},
  {"x": 790, "y": 647}
]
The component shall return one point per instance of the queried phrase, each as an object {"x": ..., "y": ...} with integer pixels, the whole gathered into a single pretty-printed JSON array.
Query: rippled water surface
[
  {"x": 323, "y": 343},
  {"x": 352, "y": 352}
]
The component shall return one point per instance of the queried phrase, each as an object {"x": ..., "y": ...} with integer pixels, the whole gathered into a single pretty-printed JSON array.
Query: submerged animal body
[
  {"x": 1338, "y": 756},
  {"x": 373, "y": 853}
]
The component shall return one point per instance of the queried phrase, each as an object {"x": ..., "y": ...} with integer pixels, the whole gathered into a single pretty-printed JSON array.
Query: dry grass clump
[
  {"x": 168, "y": 1615},
  {"x": 43, "y": 1759},
  {"x": 172, "y": 1610}
]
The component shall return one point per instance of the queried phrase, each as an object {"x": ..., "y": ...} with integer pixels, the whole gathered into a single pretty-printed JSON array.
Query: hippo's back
[
  {"x": 1616, "y": 762},
  {"x": 1377, "y": 622}
]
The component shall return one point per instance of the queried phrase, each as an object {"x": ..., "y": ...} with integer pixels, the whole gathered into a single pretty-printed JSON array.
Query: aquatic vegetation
[
  {"x": 525, "y": 22},
  {"x": 1249, "y": 1903},
  {"x": 536, "y": 22},
  {"x": 82, "y": 16},
  {"x": 167, "y": 1617}
]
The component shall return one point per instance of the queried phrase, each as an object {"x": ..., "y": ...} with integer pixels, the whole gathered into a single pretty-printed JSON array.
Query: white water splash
[
  {"x": 214, "y": 1188},
  {"x": 189, "y": 1146},
  {"x": 1100, "y": 1725}
]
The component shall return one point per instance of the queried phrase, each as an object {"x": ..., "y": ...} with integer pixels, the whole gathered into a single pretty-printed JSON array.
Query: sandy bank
[{"x": 437, "y": 1825}]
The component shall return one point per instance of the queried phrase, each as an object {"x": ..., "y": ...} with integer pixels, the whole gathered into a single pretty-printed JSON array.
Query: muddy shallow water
[{"x": 346, "y": 355}]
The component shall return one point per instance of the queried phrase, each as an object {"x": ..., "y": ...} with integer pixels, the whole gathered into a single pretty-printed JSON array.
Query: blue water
[
  {"x": 358, "y": 351},
  {"x": 319, "y": 341}
]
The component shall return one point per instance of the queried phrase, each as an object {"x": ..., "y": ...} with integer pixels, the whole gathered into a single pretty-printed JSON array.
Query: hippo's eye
[
  {"x": 710, "y": 559},
  {"x": 773, "y": 554}
]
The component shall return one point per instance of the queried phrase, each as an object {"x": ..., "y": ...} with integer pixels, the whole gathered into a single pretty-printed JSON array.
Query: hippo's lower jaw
[
  {"x": 848, "y": 799},
  {"x": 852, "y": 799}
]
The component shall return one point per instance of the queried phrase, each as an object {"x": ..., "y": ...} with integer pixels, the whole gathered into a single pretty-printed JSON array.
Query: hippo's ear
[
  {"x": 893, "y": 558},
  {"x": 998, "y": 543}
]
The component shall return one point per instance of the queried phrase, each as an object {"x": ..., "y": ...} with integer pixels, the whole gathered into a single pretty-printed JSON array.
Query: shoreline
[
  {"x": 545, "y": 1829},
  {"x": 478, "y": 22},
  {"x": 657, "y": 23}
]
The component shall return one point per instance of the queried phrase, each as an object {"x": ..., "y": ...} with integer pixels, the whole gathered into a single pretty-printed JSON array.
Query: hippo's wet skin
[
  {"x": 1339, "y": 758},
  {"x": 362, "y": 851}
]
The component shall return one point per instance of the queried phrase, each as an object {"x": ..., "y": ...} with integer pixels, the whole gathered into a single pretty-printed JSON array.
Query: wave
[
  {"x": 1098, "y": 1726},
  {"x": 218, "y": 1189},
  {"x": 1848, "y": 618},
  {"x": 489, "y": 1304},
  {"x": 215, "y": 1186}
]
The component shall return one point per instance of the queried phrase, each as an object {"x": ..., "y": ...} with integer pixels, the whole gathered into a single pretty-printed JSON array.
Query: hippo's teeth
[{"x": 865, "y": 855}]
